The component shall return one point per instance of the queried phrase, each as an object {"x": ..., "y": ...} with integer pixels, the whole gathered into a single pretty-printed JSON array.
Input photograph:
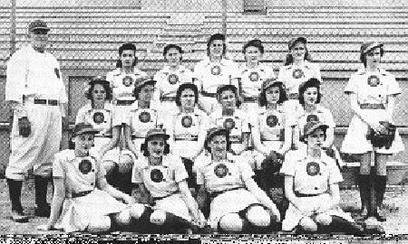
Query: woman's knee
[
  {"x": 158, "y": 217},
  {"x": 125, "y": 165},
  {"x": 231, "y": 223},
  {"x": 109, "y": 166},
  {"x": 124, "y": 217},
  {"x": 308, "y": 224},
  {"x": 323, "y": 219},
  {"x": 258, "y": 216},
  {"x": 100, "y": 224}
]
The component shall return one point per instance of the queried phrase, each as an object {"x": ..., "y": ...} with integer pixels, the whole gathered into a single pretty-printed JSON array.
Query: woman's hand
[
  {"x": 275, "y": 212},
  {"x": 128, "y": 199}
]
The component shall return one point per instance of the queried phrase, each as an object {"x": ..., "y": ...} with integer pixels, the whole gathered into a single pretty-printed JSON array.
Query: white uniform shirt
[
  {"x": 311, "y": 176},
  {"x": 271, "y": 124},
  {"x": 237, "y": 123},
  {"x": 252, "y": 79},
  {"x": 168, "y": 80},
  {"x": 211, "y": 75},
  {"x": 100, "y": 119},
  {"x": 123, "y": 84},
  {"x": 79, "y": 173},
  {"x": 372, "y": 88},
  {"x": 321, "y": 114},
  {"x": 293, "y": 76},
  {"x": 34, "y": 74},
  {"x": 143, "y": 119},
  {"x": 161, "y": 180},
  {"x": 220, "y": 176}
]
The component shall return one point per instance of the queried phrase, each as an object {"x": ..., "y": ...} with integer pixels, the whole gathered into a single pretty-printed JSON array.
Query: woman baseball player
[
  {"x": 231, "y": 117},
  {"x": 161, "y": 177},
  {"x": 98, "y": 113},
  {"x": 83, "y": 200},
  {"x": 170, "y": 77},
  {"x": 372, "y": 92},
  {"x": 311, "y": 186},
  {"x": 237, "y": 203},
  {"x": 187, "y": 128},
  {"x": 214, "y": 70},
  {"x": 296, "y": 70},
  {"x": 253, "y": 73}
]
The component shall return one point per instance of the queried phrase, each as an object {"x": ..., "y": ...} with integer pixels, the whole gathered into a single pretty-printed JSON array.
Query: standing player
[
  {"x": 213, "y": 71},
  {"x": 170, "y": 77},
  {"x": 372, "y": 92},
  {"x": 36, "y": 92},
  {"x": 253, "y": 73}
]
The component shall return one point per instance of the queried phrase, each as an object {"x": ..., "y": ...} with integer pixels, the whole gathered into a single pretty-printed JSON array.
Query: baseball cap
[
  {"x": 295, "y": 40},
  {"x": 368, "y": 46},
  {"x": 226, "y": 87},
  {"x": 38, "y": 25},
  {"x": 214, "y": 132},
  {"x": 142, "y": 82},
  {"x": 83, "y": 128},
  {"x": 270, "y": 82},
  {"x": 157, "y": 132},
  {"x": 311, "y": 127}
]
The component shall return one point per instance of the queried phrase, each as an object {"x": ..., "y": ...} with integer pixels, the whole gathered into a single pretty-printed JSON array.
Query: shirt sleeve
[
  {"x": 316, "y": 72},
  {"x": 57, "y": 166},
  {"x": 334, "y": 172},
  {"x": 393, "y": 87},
  {"x": 288, "y": 164},
  {"x": 198, "y": 167},
  {"x": 80, "y": 118},
  {"x": 351, "y": 86},
  {"x": 180, "y": 172},
  {"x": 62, "y": 92},
  {"x": 245, "y": 168},
  {"x": 137, "y": 177},
  {"x": 329, "y": 118},
  {"x": 16, "y": 77}
]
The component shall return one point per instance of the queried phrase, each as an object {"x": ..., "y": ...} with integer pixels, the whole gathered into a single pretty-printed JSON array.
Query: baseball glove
[
  {"x": 24, "y": 127},
  {"x": 383, "y": 139},
  {"x": 272, "y": 163}
]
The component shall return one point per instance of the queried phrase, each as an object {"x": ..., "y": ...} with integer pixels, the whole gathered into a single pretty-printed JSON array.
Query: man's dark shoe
[
  {"x": 43, "y": 211},
  {"x": 18, "y": 216}
]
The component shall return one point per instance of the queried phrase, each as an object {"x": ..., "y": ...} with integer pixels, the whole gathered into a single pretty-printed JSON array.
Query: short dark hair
[
  {"x": 183, "y": 87},
  {"x": 100, "y": 81},
  {"x": 363, "y": 56},
  {"x": 218, "y": 133},
  {"x": 282, "y": 94},
  {"x": 143, "y": 147},
  {"x": 123, "y": 47},
  {"x": 214, "y": 37},
  {"x": 170, "y": 46},
  {"x": 312, "y": 82},
  {"x": 229, "y": 88},
  {"x": 254, "y": 43}
]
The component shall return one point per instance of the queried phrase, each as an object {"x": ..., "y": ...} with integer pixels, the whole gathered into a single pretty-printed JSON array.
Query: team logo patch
[
  {"x": 173, "y": 79},
  {"x": 254, "y": 76},
  {"x": 85, "y": 166},
  {"x": 186, "y": 121},
  {"x": 144, "y": 117},
  {"x": 127, "y": 81},
  {"x": 57, "y": 73},
  {"x": 298, "y": 73},
  {"x": 272, "y": 120},
  {"x": 98, "y": 118},
  {"x": 229, "y": 124},
  {"x": 373, "y": 81},
  {"x": 216, "y": 70},
  {"x": 312, "y": 117},
  {"x": 221, "y": 170},
  {"x": 156, "y": 175},
  {"x": 312, "y": 168}
]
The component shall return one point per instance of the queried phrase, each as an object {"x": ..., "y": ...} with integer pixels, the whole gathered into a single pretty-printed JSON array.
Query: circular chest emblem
[
  {"x": 98, "y": 118},
  {"x": 229, "y": 124},
  {"x": 85, "y": 166},
  {"x": 272, "y": 120},
  {"x": 144, "y": 117},
  {"x": 254, "y": 76},
  {"x": 312, "y": 117},
  {"x": 297, "y": 73},
  {"x": 156, "y": 175},
  {"x": 312, "y": 168},
  {"x": 216, "y": 70},
  {"x": 173, "y": 79},
  {"x": 373, "y": 81},
  {"x": 127, "y": 81},
  {"x": 186, "y": 121},
  {"x": 221, "y": 170}
]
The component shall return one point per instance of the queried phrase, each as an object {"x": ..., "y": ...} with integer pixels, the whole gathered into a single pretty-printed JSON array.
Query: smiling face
[
  {"x": 253, "y": 54},
  {"x": 310, "y": 95},
  {"x": 298, "y": 51},
  {"x": 373, "y": 57},
  {"x": 146, "y": 93},
  {"x": 98, "y": 93},
  {"x": 216, "y": 48},
  {"x": 218, "y": 146},
  {"x": 187, "y": 98},
  {"x": 83, "y": 143},
  {"x": 155, "y": 147},
  {"x": 228, "y": 99},
  {"x": 272, "y": 94},
  {"x": 173, "y": 57},
  {"x": 127, "y": 58},
  {"x": 39, "y": 39}
]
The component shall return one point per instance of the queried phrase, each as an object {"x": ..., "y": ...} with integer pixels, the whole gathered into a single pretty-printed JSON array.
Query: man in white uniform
[{"x": 36, "y": 94}]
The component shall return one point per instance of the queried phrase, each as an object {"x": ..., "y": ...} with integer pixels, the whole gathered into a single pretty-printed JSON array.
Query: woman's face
[
  {"x": 298, "y": 51},
  {"x": 173, "y": 57},
  {"x": 216, "y": 48},
  {"x": 310, "y": 95},
  {"x": 272, "y": 94},
  {"x": 155, "y": 146},
  {"x": 373, "y": 57},
  {"x": 98, "y": 93},
  {"x": 316, "y": 139},
  {"x": 252, "y": 54},
  {"x": 146, "y": 93},
  {"x": 127, "y": 58},
  {"x": 228, "y": 99},
  {"x": 83, "y": 143},
  {"x": 218, "y": 146},
  {"x": 187, "y": 98}
]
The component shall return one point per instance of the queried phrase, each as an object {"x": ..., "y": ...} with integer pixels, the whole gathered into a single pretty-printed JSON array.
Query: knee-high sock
[{"x": 15, "y": 194}]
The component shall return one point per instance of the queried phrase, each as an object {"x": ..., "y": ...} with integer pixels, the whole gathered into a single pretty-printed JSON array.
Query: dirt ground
[{"x": 396, "y": 200}]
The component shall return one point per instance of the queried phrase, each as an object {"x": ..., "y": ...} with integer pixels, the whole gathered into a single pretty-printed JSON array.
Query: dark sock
[
  {"x": 15, "y": 194},
  {"x": 41, "y": 185},
  {"x": 175, "y": 224},
  {"x": 380, "y": 186},
  {"x": 364, "y": 185}
]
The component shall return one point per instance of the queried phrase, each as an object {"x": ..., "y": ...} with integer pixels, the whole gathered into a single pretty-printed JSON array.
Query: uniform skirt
[
  {"x": 120, "y": 114},
  {"x": 77, "y": 213},
  {"x": 355, "y": 141},
  {"x": 293, "y": 215},
  {"x": 229, "y": 202},
  {"x": 174, "y": 204}
]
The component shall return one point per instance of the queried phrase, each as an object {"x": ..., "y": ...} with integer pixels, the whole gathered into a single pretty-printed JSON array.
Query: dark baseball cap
[
  {"x": 311, "y": 127},
  {"x": 83, "y": 128},
  {"x": 368, "y": 46},
  {"x": 157, "y": 132},
  {"x": 296, "y": 40},
  {"x": 38, "y": 25}
]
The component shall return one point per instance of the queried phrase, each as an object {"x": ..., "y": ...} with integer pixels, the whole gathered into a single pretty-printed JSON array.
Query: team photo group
[{"x": 222, "y": 148}]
